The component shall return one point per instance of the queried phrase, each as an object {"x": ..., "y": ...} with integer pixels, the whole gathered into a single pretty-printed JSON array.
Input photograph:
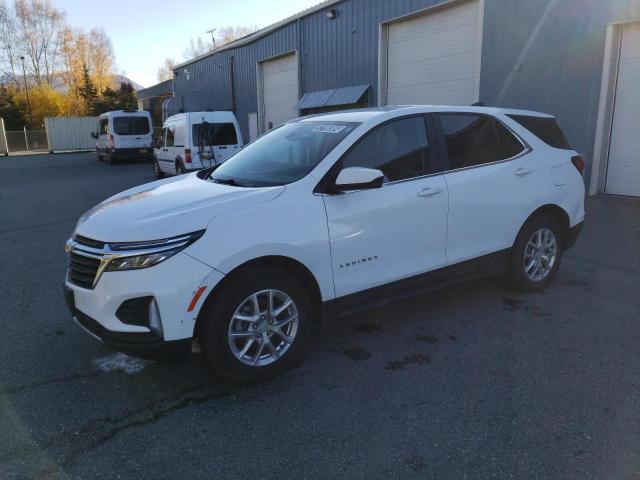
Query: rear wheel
[
  {"x": 179, "y": 168},
  {"x": 536, "y": 254},
  {"x": 256, "y": 327}
]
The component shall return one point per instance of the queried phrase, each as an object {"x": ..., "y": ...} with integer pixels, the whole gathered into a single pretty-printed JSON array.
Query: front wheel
[
  {"x": 257, "y": 326},
  {"x": 156, "y": 170},
  {"x": 536, "y": 254}
]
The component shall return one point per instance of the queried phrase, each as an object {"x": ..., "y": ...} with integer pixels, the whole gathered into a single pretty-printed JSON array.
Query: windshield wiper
[{"x": 227, "y": 181}]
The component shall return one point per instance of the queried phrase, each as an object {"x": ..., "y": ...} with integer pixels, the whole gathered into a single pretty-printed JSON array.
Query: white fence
[
  {"x": 4, "y": 148},
  {"x": 70, "y": 133}
]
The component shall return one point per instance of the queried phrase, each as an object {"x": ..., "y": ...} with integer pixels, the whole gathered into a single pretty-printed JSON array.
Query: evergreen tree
[
  {"x": 127, "y": 97},
  {"x": 9, "y": 111},
  {"x": 87, "y": 92},
  {"x": 108, "y": 101}
]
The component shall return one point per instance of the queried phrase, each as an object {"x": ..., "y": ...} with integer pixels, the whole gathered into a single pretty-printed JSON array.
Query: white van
[
  {"x": 124, "y": 134},
  {"x": 196, "y": 140}
]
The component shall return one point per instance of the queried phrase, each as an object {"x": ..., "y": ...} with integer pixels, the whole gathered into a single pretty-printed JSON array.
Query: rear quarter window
[{"x": 546, "y": 129}]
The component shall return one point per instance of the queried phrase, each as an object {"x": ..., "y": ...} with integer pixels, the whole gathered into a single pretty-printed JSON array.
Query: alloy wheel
[
  {"x": 540, "y": 255},
  {"x": 263, "y": 328}
]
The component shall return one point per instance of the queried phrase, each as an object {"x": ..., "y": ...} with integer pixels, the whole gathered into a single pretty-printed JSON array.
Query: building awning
[{"x": 333, "y": 97}]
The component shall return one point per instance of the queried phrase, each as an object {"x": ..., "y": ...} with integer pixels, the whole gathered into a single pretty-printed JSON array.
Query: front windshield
[{"x": 284, "y": 155}]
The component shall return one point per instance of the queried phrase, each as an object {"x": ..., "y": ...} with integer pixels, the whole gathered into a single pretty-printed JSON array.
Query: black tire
[
  {"x": 99, "y": 157},
  {"x": 218, "y": 315},
  {"x": 179, "y": 168},
  {"x": 156, "y": 170},
  {"x": 111, "y": 159},
  {"x": 516, "y": 276}
]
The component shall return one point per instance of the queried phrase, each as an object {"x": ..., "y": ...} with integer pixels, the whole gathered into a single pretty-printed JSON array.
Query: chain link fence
[{"x": 27, "y": 141}]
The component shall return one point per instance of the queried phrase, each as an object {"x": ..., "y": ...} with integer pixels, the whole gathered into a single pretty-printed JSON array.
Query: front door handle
[
  {"x": 521, "y": 172},
  {"x": 429, "y": 192}
]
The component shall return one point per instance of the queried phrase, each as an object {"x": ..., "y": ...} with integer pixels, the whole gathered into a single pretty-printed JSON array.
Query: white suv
[{"x": 322, "y": 216}]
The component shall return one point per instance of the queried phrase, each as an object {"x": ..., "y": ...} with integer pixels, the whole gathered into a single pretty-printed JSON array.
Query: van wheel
[
  {"x": 536, "y": 254},
  {"x": 156, "y": 169},
  {"x": 99, "y": 157},
  {"x": 257, "y": 326},
  {"x": 111, "y": 160},
  {"x": 179, "y": 168}
]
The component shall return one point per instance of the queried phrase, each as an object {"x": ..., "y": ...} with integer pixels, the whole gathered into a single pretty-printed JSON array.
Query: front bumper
[{"x": 172, "y": 285}]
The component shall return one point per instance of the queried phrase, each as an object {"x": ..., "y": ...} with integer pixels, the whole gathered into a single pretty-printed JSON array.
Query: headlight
[{"x": 137, "y": 255}]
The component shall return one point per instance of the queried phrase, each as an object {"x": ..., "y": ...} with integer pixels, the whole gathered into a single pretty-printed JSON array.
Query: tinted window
[
  {"x": 477, "y": 139},
  {"x": 131, "y": 125},
  {"x": 214, "y": 134},
  {"x": 546, "y": 129},
  {"x": 170, "y": 136},
  {"x": 399, "y": 149},
  {"x": 102, "y": 126},
  {"x": 283, "y": 155}
]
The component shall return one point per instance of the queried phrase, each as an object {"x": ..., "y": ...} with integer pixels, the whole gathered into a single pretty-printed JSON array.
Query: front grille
[
  {"x": 88, "y": 242},
  {"x": 135, "y": 311},
  {"x": 82, "y": 270}
]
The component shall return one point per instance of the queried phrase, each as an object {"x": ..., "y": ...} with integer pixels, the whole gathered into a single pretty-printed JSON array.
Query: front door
[{"x": 399, "y": 230}]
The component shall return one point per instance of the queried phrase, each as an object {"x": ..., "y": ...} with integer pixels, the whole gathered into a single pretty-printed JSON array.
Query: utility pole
[{"x": 26, "y": 87}]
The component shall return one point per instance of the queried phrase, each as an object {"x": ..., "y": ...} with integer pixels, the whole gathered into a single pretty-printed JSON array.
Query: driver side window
[{"x": 400, "y": 149}]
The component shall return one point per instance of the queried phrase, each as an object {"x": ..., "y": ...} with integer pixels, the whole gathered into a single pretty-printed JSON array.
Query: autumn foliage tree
[{"x": 68, "y": 70}]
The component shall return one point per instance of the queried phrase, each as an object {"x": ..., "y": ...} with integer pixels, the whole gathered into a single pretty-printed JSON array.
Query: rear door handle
[
  {"x": 521, "y": 172},
  {"x": 429, "y": 192}
]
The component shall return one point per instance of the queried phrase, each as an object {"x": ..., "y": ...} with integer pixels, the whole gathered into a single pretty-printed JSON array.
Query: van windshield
[
  {"x": 213, "y": 134},
  {"x": 284, "y": 155},
  {"x": 130, "y": 125}
]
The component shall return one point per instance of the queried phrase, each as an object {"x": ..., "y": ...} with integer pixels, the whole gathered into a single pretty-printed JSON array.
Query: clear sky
[{"x": 145, "y": 32}]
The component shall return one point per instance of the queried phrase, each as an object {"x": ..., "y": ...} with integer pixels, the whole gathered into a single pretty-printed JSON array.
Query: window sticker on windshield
[{"x": 329, "y": 128}]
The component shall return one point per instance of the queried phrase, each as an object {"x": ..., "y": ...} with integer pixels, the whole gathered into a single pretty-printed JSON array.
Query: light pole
[
  {"x": 26, "y": 88},
  {"x": 213, "y": 38}
]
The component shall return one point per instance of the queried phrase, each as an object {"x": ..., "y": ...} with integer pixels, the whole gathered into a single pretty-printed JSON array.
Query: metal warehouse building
[{"x": 577, "y": 59}]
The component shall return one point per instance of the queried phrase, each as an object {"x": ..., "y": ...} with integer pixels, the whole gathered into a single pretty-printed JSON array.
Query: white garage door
[
  {"x": 280, "y": 90},
  {"x": 433, "y": 59},
  {"x": 623, "y": 171}
]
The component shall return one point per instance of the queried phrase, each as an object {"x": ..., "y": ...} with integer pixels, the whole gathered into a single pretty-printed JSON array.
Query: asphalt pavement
[{"x": 474, "y": 381}]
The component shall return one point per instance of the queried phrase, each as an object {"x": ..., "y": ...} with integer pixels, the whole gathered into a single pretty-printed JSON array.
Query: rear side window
[
  {"x": 214, "y": 134},
  {"x": 477, "y": 139},
  {"x": 546, "y": 129},
  {"x": 399, "y": 149},
  {"x": 131, "y": 125}
]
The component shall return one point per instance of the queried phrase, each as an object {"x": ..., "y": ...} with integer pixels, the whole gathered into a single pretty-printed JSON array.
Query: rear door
[
  {"x": 132, "y": 131},
  {"x": 397, "y": 231},
  {"x": 493, "y": 184},
  {"x": 226, "y": 141}
]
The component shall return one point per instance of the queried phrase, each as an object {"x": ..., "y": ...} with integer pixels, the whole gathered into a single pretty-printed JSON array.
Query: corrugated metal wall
[
  {"x": 547, "y": 55},
  {"x": 333, "y": 53},
  {"x": 538, "y": 54},
  {"x": 70, "y": 133}
]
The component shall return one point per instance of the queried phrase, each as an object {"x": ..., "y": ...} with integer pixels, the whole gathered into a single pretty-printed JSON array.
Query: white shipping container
[{"x": 70, "y": 133}]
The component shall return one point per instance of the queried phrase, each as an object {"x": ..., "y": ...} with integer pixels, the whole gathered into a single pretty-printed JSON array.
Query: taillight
[
  {"x": 111, "y": 143},
  {"x": 187, "y": 155},
  {"x": 578, "y": 162}
]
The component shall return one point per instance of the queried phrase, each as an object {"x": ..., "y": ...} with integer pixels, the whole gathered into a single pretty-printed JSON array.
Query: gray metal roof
[
  {"x": 158, "y": 90},
  {"x": 332, "y": 97}
]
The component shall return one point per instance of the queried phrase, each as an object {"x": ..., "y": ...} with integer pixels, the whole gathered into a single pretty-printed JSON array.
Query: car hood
[{"x": 167, "y": 208}]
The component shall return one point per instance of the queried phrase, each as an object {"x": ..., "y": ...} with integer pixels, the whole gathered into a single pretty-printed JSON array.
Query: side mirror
[
  {"x": 94, "y": 135},
  {"x": 358, "y": 178}
]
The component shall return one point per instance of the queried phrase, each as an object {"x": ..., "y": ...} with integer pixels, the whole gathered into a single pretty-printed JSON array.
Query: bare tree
[
  {"x": 223, "y": 36},
  {"x": 165, "y": 72},
  {"x": 39, "y": 25},
  {"x": 9, "y": 45}
]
